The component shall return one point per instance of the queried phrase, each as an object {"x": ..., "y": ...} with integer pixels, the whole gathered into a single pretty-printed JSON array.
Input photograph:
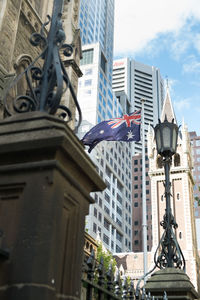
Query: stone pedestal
[
  {"x": 174, "y": 281},
  {"x": 45, "y": 181}
]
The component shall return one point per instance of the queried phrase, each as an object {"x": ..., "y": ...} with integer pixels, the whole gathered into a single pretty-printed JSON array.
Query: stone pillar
[
  {"x": 45, "y": 181},
  {"x": 175, "y": 282}
]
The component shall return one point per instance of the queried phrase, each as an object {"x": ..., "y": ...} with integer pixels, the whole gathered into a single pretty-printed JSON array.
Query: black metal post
[
  {"x": 168, "y": 253},
  {"x": 167, "y": 162}
]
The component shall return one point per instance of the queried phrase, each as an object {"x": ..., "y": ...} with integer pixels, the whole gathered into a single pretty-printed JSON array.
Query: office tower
[
  {"x": 110, "y": 216},
  {"x": 195, "y": 143},
  {"x": 139, "y": 81},
  {"x": 97, "y": 26},
  {"x": 137, "y": 233}
]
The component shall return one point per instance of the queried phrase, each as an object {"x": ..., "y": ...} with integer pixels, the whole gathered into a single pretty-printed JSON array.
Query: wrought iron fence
[{"x": 99, "y": 283}]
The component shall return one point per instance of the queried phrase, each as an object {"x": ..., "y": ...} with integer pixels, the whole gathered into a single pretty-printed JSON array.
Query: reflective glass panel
[{"x": 166, "y": 137}]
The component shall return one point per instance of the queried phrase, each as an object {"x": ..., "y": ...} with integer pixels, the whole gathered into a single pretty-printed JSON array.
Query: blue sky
[{"x": 165, "y": 34}]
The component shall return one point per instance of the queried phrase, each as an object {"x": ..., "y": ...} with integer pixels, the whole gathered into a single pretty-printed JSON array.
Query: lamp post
[{"x": 168, "y": 253}]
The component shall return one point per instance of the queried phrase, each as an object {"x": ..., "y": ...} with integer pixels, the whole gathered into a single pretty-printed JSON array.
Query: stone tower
[{"x": 181, "y": 190}]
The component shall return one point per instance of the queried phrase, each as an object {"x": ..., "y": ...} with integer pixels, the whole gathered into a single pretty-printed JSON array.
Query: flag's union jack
[{"x": 134, "y": 118}]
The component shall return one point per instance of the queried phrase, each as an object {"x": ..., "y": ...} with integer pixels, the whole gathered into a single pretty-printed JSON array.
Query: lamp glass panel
[
  {"x": 174, "y": 140},
  {"x": 166, "y": 137},
  {"x": 158, "y": 140}
]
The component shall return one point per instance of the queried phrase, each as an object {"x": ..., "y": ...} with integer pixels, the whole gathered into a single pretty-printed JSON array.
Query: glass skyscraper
[{"x": 110, "y": 216}]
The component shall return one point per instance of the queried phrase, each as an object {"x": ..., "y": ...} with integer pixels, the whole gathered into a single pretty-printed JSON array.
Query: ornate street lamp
[
  {"x": 166, "y": 135},
  {"x": 168, "y": 253}
]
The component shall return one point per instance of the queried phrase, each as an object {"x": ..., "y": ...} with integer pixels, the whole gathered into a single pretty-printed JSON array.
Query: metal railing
[{"x": 99, "y": 283}]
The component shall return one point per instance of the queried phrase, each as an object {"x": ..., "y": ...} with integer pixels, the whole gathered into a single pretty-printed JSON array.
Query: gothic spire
[{"x": 168, "y": 110}]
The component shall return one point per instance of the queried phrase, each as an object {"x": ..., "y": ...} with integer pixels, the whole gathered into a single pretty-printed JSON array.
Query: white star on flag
[{"x": 130, "y": 135}]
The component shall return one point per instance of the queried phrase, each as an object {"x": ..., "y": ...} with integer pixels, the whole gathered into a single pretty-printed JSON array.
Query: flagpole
[{"x": 144, "y": 207}]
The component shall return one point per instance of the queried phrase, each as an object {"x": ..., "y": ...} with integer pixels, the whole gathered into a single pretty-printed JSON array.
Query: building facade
[
  {"x": 139, "y": 81},
  {"x": 195, "y": 142},
  {"x": 110, "y": 216},
  {"x": 137, "y": 218},
  {"x": 17, "y": 23}
]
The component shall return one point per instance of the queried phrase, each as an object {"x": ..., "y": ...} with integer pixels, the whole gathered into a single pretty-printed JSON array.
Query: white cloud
[
  {"x": 192, "y": 65},
  {"x": 137, "y": 22},
  {"x": 182, "y": 104}
]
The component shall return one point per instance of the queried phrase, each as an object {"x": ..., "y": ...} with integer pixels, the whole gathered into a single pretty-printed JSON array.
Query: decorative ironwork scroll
[
  {"x": 168, "y": 252},
  {"x": 46, "y": 84}
]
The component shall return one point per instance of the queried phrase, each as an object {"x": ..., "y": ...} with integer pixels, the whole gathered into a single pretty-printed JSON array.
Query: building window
[
  {"x": 136, "y": 242},
  {"x": 118, "y": 236},
  {"x": 103, "y": 63},
  {"x": 88, "y": 71},
  {"x": 106, "y": 209},
  {"x": 99, "y": 230},
  {"x": 197, "y": 142},
  {"x": 101, "y": 162},
  {"x": 135, "y": 162},
  {"x": 106, "y": 224},
  {"x": 178, "y": 196},
  {"x": 119, "y": 198},
  {"x": 119, "y": 211},
  {"x": 118, "y": 249},
  {"x": 135, "y": 204},
  {"x": 96, "y": 198},
  {"x": 177, "y": 160},
  {"x": 136, "y": 223},
  {"x": 87, "y": 57},
  {"x": 107, "y": 197},
  {"x": 100, "y": 216},
  {"x": 162, "y": 198},
  {"x": 119, "y": 222},
  {"x": 100, "y": 202},
  {"x": 88, "y": 82},
  {"x": 94, "y": 227},
  {"x": 95, "y": 212},
  {"x": 106, "y": 239},
  {"x": 159, "y": 162}
]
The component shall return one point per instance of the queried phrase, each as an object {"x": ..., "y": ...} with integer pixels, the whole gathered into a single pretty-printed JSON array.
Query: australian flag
[{"x": 126, "y": 129}]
